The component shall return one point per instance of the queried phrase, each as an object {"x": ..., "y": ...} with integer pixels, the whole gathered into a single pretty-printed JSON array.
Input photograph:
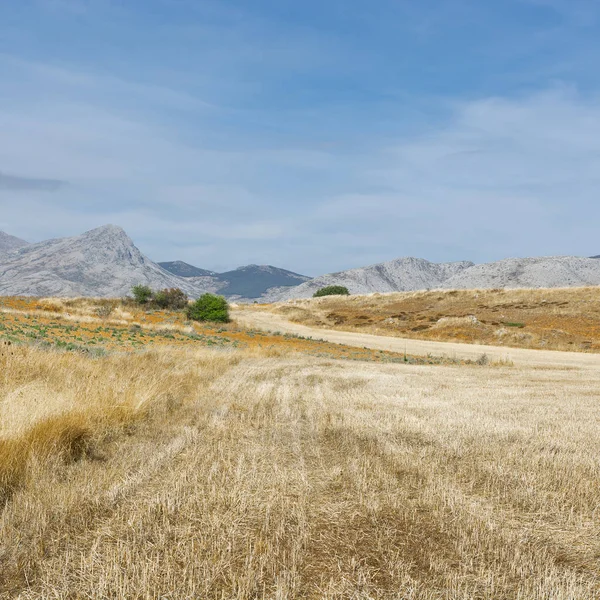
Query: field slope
[{"x": 546, "y": 319}]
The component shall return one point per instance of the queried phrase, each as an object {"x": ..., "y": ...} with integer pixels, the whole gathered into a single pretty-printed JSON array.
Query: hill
[
  {"x": 544, "y": 319},
  {"x": 402, "y": 274},
  {"x": 103, "y": 262},
  {"x": 10, "y": 243},
  {"x": 252, "y": 281},
  {"x": 247, "y": 282},
  {"x": 542, "y": 272},
  {"x": 183, "y": 269}
]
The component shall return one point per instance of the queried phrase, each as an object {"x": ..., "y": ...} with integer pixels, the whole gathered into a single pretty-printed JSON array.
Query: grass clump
[
  {"x": 209, "y": 307},
  {"x": 332, "y": 290}
]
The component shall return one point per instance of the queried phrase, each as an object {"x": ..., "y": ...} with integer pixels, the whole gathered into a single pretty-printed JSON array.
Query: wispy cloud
[
  {"x": 319, "y": 136},
  {"x": 15, "y": 183}
]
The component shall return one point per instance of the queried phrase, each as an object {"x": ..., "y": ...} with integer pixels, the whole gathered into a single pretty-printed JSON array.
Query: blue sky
[{"x": 316, "y": 136}]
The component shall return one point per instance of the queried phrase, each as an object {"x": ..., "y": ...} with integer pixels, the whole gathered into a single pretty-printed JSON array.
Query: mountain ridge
[
  {"x": 400, "y": 274},
  {"x": 183, "y": 269},
  {"x": 248, "y": 281},
  {"x": 105, "y": 262},
  {"x": 10, "y": 243},
  {"x": 101, "y": 262}
]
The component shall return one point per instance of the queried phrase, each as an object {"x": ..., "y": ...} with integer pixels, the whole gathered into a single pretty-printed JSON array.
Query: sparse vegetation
[
  {"x": 209, "y": 308},
  {"x": 549, "y": 319},
  {"x": 332, "y": 290}
]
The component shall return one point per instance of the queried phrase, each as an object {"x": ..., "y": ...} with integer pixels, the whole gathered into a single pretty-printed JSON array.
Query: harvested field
[{"x": 185, "y": 471}]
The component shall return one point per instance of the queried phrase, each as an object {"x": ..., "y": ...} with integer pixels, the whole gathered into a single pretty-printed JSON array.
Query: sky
[{"x": 315, "y": 136}]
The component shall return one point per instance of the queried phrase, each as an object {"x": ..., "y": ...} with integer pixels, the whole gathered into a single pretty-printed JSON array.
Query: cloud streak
[
  {"x": 22, "y": 184},
  {"x": 248, "y": 138}
]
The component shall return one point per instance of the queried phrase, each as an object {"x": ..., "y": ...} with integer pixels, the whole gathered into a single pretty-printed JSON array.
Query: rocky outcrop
[
  {"x": 402, "y": 274},
  {"x": 10, "y": 243},
  {"x": 542, "y": 272},
  {"x": 103, "y": 262}
]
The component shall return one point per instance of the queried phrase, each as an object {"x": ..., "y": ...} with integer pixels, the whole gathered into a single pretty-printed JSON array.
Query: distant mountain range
[
  {"x": 105, "y": 262},
  {"x": 402, "y": 274},
  {"x": 183, "y": 269},
  {"x": 251, "y": 281}
]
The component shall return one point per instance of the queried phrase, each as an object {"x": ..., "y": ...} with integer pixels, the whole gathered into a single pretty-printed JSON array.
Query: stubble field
[{"x": 273, "y": 470}]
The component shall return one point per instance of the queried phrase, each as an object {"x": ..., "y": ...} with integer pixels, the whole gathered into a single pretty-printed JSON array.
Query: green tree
[
  {"x": 332, "y": 290},
  {"x": 209, "y": 307},
  {"x": 141, "y": 293}
]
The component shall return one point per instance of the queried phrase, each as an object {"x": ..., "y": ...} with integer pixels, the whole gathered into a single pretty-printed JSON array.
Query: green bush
[
  {"x": 141, "y": 293},
  {"x": 332, "y": 290},
  {"x": 172, "y": 298},
  {"x": 209, "y": 308}
]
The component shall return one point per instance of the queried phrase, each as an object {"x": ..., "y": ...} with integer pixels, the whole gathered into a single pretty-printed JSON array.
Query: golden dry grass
[
  {"x": 550, "y": 319},
  {"x": 238, "y": 475},
  {"x": 83, "y": 324}
]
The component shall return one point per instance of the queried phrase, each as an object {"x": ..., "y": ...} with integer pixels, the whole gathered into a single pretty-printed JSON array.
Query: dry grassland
[
  {"x": 99, "y": 326},
  {"x": 260, "y": 473},
  {"x": 550, "y": 319}
]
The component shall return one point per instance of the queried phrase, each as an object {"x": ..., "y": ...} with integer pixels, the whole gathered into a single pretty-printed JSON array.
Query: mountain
[
  {"x": 543, "y": 272},
  {"x": 101, "y": 262},
  {"x": 106, "y": 262},
  {"x": 183, "y": 269},
  {"x": 10, "y": 243},
  {"x": 402, "y": 274},
  {"x": 252, "y": 281}
]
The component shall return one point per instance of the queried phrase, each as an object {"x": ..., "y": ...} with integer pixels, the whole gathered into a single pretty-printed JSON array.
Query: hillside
[
  {"x": 103, "y": 262},
  {"x": 551, "y": 319},
  {"x": 10, "y": 243},
  {"x": 183, "y": 269},
  {"x": 542, "y": 272},
  {"x": 253, "y": 281},
  {"x": 396, "y": 275}
]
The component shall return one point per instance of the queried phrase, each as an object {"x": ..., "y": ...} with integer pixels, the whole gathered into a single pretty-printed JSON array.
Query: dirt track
[{"x": 267, "y": 321}]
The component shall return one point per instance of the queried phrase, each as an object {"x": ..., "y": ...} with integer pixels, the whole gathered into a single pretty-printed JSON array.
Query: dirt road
[{"x": 267, "y": 321}]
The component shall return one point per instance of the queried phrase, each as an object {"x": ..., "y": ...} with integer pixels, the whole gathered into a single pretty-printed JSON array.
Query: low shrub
[
  {"x": 172, "y": 298},
  {"x": 332, "y": 290},
  {"x": 209, "y": 307},
  {"x": 169, "y": 298}
]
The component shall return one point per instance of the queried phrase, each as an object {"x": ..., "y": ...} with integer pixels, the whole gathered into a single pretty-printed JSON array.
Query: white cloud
[{"x": 502, "y": 176}]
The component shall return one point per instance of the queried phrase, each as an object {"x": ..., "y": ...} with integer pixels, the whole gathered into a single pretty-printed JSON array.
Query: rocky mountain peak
[{"x": 10, "y": 243}]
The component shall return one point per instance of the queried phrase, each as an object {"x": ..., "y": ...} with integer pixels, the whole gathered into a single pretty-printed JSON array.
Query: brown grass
[
  {"x": 551, "y": 319},
  {"x": 179, "y": 473}
]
